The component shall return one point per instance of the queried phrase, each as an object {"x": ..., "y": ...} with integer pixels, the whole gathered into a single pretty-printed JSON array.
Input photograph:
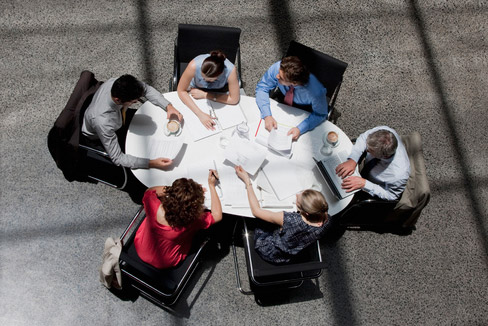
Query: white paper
[
  {"x": 164, "y": 148},
  {"x": 245, "y": 153},
  {"x": 279, "y": 140},
  {"x": 228, "y": 115},
  {"x": 234, "y": 189},
  {"x": 283, "y": 177}
]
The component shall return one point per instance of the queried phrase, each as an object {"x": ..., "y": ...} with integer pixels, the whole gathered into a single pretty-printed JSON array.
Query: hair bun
[{"x": 217, "y": 54}]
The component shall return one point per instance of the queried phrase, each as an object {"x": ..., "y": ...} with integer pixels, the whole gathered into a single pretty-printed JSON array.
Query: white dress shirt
[{"x": 388, "y": 178}]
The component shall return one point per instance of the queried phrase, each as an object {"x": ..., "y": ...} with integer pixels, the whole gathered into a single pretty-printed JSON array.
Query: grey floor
[{"x": 413, "y": 65}]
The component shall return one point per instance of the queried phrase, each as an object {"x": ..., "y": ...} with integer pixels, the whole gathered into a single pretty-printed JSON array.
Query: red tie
[{"x": 289, "y": 96}]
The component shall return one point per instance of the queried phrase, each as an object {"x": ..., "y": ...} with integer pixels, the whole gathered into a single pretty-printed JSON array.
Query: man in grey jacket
[{"x": 106, "y": 114}]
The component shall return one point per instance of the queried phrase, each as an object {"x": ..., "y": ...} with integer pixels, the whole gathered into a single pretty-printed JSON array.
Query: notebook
[{"x": 327, "y": 168}]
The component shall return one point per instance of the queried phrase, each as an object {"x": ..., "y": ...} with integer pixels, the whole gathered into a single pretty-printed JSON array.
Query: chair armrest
[
  {"x": 94, "y": 150},
  {"x": 131, "y": 224}
]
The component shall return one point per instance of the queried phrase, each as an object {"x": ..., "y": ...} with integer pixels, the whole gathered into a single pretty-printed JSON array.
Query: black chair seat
[
  {"x": 161, "y": 286},
  {"x": 306, "y": 265}
]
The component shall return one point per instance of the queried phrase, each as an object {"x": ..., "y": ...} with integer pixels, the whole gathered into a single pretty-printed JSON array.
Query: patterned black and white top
[{"x": 281, "y": 244}]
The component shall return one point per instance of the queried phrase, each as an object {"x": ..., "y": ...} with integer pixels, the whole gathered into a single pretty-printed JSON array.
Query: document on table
[
  {"x": 199, "y": 173},
  {"x": 243, "y": 152},
  {"x": 164, "y": 148},
  {"x": 283, "y": 176},
  {"x": 235, "y": 193},
  {"x": 277, "y": 140},
  {"x": 228, "y": 115}
]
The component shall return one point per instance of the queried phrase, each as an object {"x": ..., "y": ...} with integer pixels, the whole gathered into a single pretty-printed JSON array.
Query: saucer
[{"x": 169, "y": 133}]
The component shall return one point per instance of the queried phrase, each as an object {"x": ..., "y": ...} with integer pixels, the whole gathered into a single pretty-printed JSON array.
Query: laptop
[{"x": 327, "y": 168}]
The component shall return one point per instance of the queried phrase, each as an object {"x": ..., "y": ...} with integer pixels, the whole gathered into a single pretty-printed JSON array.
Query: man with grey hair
[{"x": 386, "y": 164}]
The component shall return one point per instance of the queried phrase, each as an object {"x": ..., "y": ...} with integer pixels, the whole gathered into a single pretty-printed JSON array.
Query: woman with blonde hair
[{"x": 297, "y": 230}]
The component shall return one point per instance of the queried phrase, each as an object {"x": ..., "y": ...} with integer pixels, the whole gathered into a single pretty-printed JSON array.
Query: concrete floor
[{"x": 413, "y": 65}]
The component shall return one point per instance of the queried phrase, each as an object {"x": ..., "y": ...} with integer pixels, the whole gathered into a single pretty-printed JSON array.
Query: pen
[
  {"x": 258, "y": 127},
  {"x": 219, "y": 185},
  {"x": 215, "y": 175}
]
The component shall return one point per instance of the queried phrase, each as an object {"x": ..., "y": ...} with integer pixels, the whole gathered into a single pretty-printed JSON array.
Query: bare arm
[
  {"x": 185, "y": 97},
  {"x": 263, "y": 214},
  {"x": 215, "y": 206}
]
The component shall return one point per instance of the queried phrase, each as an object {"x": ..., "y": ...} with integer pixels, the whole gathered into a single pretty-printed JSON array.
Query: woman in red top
[{"x": 173, "y": 215}]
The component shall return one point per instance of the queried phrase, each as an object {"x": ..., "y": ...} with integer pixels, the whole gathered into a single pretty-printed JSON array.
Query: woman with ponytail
[
  {"x": 203, "y": 78},
  {"x": 296, "y": 231}
]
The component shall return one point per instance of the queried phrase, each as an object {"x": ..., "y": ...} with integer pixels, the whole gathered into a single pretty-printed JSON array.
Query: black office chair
[
  {"x": 160, "y": 286},
  {"x": 306, "y": 265},
  {"x": 193, "y": 40},
  {"x": 328, "y": 70},
  {"x": 397, "y": 216},
  {"x": 77, "y": 159}
]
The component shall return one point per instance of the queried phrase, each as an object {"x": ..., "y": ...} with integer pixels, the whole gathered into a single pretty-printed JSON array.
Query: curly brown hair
[{"x": 183, "y": 202}]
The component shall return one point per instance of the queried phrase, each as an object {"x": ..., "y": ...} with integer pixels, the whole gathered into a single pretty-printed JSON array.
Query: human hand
[
  {"x": 160, "y": 163},
  {"x": 213, "y": 177},
  {"x": 170, "y": 109},
  {"x": 353, "y": 183},
  {"x": 346, "y": 168},
  {"x": 206, "y": 120},
  {"x": 198, "y": 93},
  {"x": 242, "y": 174},
  {"x": 294, "y": 132},
  {"x": 270, "y": 123}
]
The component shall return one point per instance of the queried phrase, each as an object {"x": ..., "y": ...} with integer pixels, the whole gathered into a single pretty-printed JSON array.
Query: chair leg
[{"x": 236, "y": 264}]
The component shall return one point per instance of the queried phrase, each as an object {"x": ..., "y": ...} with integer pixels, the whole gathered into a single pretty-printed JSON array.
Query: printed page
[
  {"x": 279, "y": 140},
  {"x": 245, "y": 153},
  {"x": 164, "y": 148},
  {"x": 275, "y": 140},
  {"x": 234, "y": 189}
]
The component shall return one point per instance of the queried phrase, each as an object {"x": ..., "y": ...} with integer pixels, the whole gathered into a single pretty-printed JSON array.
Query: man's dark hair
[
  {"x": 127, "y": 88},
  {"x": 295, "y": 71}
]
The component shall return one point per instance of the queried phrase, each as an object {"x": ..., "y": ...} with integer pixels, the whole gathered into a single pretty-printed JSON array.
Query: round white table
[{"x": 149, "y": 121}]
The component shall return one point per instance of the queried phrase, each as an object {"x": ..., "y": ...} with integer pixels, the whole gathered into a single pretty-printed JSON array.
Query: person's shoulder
[
  {"x": 201, "y": 57},
  {"x": 314, "y": 85},
  {"x": 290, "y": 216}
]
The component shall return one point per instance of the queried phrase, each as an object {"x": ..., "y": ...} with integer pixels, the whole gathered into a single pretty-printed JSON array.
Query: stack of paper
[{"x": 277, "y": 140}]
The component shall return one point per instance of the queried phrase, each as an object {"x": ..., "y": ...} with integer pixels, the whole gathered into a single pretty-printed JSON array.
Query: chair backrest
[
  {"x": 404, "y": 212},
  {"x": 193, "y": 40},
  {"x": 64, "y": 137},
  {"x": 328, "y": 70},
  {"x": 161, "y": 286},
  {"x": 417, "y": 192},
  {"x": 307, "y": 264}
]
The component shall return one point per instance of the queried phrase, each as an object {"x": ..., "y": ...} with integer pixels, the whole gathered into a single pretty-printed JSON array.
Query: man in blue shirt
[{"x": 298, "y": 86}]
